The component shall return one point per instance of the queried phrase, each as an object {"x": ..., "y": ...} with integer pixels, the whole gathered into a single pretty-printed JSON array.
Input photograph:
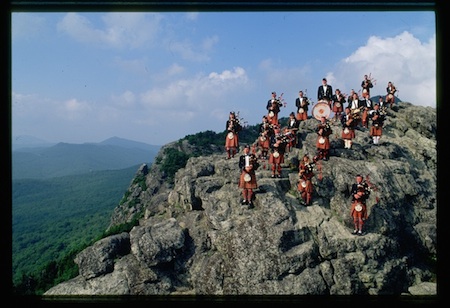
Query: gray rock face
[{"x": 195, "y": 238}]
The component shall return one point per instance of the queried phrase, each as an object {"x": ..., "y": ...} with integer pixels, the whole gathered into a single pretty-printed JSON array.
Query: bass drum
[{"x": 321, "y": 109}]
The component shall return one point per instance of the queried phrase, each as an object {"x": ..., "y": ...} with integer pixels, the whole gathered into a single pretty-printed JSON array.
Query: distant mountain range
[{"x": 37, "y": 159}]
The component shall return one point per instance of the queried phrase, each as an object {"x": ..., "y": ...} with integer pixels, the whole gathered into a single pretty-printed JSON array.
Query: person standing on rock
[
  {"x": 366, "y": 85},
  {"x": 390, "y": 98},
  {"x": 302, "y": 103},
  {"x": 248, "y": 163},
  {"x": 265, "y": 133},
  {"x": 325, "y": 92},
  {"x": 291, "y": 131},
  {"x": 233, "y": 127},
  {"x": 348, "y": 128},
  {"x": 305, "y": 174},
  {"x": 323, "y": 131},
  {"x": 338, "y": 105},
  {"x": 273, "y": 108},
  {"x": 376, "y": 130},
  {"x": 360, "y": 193},
  {"x": 278, "y": 145}
]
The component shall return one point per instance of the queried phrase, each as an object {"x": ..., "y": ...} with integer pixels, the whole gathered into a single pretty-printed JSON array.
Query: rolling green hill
[
  {"x": 68, "y": 159},
  {"x": 51, "y": 217}
]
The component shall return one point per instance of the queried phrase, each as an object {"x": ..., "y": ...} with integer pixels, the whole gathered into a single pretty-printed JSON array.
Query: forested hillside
[{"x": 51, "y": 217}]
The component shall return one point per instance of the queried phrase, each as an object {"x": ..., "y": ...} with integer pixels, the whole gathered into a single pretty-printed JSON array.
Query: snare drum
[
  {"x": 321, "y": 140},
  {"x": 358, "y": 207},
  {"x": 230, "y": 135}
]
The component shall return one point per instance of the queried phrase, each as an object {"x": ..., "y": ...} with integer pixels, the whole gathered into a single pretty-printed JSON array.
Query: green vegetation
[
  {"x": 202, "y": 143},
  {"x": 54, "y": 219},
  {"x": 173, "y": 160}
]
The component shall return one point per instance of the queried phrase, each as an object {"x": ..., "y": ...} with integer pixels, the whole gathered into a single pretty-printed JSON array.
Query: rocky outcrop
[{"x": 195, "y": 238}]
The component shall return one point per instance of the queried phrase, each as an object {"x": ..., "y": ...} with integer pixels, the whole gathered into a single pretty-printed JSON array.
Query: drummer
[
  {"x": 325, "y": 92},
  {"x": 233, "y": 127}
]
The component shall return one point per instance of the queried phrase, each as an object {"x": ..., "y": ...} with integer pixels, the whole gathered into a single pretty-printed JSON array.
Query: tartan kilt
[
  {"x": 302, "y": 116},
  {"x": 323, "y": 146},
  {"x": 356, "y": 214},
  {"x": 264, "y": 144},
  {"x": 349, "y": 135},
  {"x": 337, "y": 109},
  {"x": 376, "y": 130},
  {"x": 248, "y": 185},
  {"x": 276, "y": 160},
  {"x": 308, "y": 188},
  {"x": 232, "y": 143}
]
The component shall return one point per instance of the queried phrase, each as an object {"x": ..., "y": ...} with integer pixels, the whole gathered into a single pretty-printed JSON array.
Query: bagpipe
[
  {"x": 276, "y": 105},
  {"x": 356, "y": 113}
]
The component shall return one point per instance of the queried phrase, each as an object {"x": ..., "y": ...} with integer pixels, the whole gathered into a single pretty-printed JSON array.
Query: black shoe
[
  {"x": 250, "y": 205},
  {"x": 360, "y": 233},
  {"x": 279, "y": 176},
  {"x": 272, "y": 176},
  {"x": 244, "y": 202},
  {"x": 355, "y": 232}
]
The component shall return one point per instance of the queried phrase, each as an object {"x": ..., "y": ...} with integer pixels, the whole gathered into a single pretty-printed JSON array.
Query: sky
[{"x": 156, "y": 77}]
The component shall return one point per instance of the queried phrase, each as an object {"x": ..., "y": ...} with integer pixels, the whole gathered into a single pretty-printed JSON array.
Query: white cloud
[
  {"x": 73, "y": 109},
  {"x": 403, "y": 60},
  {"x": 130, "y": 30},
  {"x": 190, "y": 94},
  {"x": 126, "y": 99}
]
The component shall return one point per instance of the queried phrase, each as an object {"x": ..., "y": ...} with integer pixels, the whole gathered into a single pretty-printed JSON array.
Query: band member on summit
[
  {"x": 367, "y": 105},
  {"x": 366, "y": 85},
  {"x": 356, "y": 106},
  {"x": 278, "y": 148},
  {"x": 273, "y": 108},
  {"x": 338, "y": 105},
  {"x": 348, "y": 128},
  {"x": 302, "y": 103},
  {"x": 350, "y": 98},
  {"x": 323, "y": 131},
  {"x": 325, "y": 92},
  {"x": 305, "y": 174},
  {"x": 360, "y": 193},
  {"x": 248, "y": 163},
  {"x": 291, "y": 131},
  {"x": 265, "y": 133},
  {"x": 233, "y": 127},
  {"x": 390, "y": 98},
  {"x": 376, "y": 130}
]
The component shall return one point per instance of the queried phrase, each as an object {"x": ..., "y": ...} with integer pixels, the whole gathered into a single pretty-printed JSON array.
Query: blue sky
[{"x": 156, "y": 77}]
